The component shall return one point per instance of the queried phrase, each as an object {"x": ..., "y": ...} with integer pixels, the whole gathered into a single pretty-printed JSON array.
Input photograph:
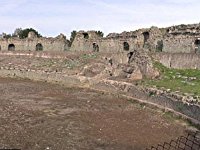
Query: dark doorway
[
  {"x": 146, "y": 36},
  {"x": 39, "y": 47},
  {"x": 11, "y": 47},
  {"x": 95, "y": 47},
  {"x": 129, "y": 55},
  {"x": 159, "y": 46},
  {"x": 0, "y": 47},
  {"x": 86, "y": 35},
  {"x": 126, "y": 46},
  {"x": 197, "y": 46}
]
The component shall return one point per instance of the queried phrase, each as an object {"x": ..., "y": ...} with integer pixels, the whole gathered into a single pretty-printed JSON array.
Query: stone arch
[
  {"x": 197, "y": 45},
  {"x": 86, "y": 35},
  {"x": 95, "y": 47},
  {"x": 39, "y": 47},
  {"x": 126, "y": 46},
  {"x": 11, "y": 47},
  {"x": 146, "y": 38}
]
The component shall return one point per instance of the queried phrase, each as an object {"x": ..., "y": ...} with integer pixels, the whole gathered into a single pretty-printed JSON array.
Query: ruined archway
[
  {"x": 146, "y": 36},
  {"x": 86, "y": 35},
  {"x": 197, "y": 46},
  {"x": 126, "y": 46},
  {"x": 11, "y": 47},
  {"x": 95, "y": 47},
  {"x": 39, "y": 47}
]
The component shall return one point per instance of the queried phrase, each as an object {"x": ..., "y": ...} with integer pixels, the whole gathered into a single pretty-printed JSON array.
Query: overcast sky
[{"x": 52, "y": 17}]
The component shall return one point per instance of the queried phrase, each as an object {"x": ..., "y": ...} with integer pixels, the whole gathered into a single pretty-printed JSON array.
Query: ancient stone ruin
[
  {"x": 33, "y": 43},
  {"x": 175, "y": 39},
  {"x": 113, "y": 64}
]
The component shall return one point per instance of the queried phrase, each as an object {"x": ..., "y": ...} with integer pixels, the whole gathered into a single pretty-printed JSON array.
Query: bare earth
[{"x": 42, "y": 116}]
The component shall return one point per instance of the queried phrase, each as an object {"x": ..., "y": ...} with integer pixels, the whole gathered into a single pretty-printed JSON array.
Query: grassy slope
[{"x": 185, "y": 81}]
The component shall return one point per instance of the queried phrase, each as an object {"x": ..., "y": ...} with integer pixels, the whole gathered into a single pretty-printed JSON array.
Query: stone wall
[
  {"x": 177, "y": 44},
  {"x": 59, "y": 43},
  {"x": 175, "y": 39},
  {"x": 179, "y": 60},
  {"x": 143, "y": 38}
]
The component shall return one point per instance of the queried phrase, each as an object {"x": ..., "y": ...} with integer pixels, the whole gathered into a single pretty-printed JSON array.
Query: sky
[{"x": 52, "y": 17}]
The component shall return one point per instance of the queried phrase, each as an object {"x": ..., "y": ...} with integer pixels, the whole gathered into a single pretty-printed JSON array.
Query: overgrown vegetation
[
  {"x": 71, "y": 64},
  {"x": 100, "y": 33},
  {"x": 72, "y": 37},
  {"x": 185, "y": 81},
  {"x": 21, "y": 33},
  {"x": 89, "y": 56}
]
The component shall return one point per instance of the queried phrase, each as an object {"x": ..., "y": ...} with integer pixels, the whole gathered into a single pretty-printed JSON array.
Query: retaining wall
[{"x": 179, "y": 60}]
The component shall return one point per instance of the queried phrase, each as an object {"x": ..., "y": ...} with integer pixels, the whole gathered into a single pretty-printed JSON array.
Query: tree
[
  {"x": 17, "y": 32},
  {"x": 100, "y": 33},
  {"x": 73, "y": 35},
  {"x": 22, "y": 34},
  {"x": 7, "y": 36}
]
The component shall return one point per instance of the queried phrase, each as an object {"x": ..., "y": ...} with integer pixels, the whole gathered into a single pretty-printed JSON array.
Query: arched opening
[
  {"x": 86, "y": 35},
  {"x": 146, "y": 36},
  {"x": 0, "y": 47},
  {"x": 11, "y": 47},
  {"x": 159, "y": 46},
  {"x": 39, "y": 47},
  {"x": 126, "y": 46},
  {"x": 129, "y": 55},
  {"x": 95, "y": 47},
  {"x": 197, "y": 46}
]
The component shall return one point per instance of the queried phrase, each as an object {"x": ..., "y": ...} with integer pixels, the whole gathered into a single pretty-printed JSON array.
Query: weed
[{"x": 185, "y": 80}]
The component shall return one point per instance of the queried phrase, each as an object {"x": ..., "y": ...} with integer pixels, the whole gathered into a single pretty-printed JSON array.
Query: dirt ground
[{"x": 42, "y": 116}]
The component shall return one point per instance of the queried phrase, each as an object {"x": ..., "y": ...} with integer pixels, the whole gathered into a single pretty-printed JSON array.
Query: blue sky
[{"x": 52, "y": 17}]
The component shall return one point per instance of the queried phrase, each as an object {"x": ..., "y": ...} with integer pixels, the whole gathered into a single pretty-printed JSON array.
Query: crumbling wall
[
  {"x": 84, "y": 41},
  {"x": 143, "y": 38},
  {"x": 59, "y": 43},
  {"x": 175, "y": 39},
  {"x": 179, "y": 60},
  {"x": 179, "y": 44},
  {"x": 181, "y": 39}
]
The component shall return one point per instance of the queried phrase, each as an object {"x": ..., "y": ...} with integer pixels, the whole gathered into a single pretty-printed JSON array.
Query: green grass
[
  {"x": 185, "y": 81},
  {"x": 89, "y": 56},
  {"x": 70, "y": 64}
]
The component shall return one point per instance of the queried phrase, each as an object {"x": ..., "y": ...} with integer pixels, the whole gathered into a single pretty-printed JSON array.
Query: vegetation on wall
[
  {"x": 23, "y": 33},
  {"x": 100, "y": 33},
  {"x": 72, "y": 37},
  {"x": 7, "y": 36}
]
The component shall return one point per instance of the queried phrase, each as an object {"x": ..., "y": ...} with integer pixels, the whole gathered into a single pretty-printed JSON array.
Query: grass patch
[
  {"x": 185, "y": 81},
  {"x": 70, "y": 64},
  {"x": 89, "y": 56}
]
